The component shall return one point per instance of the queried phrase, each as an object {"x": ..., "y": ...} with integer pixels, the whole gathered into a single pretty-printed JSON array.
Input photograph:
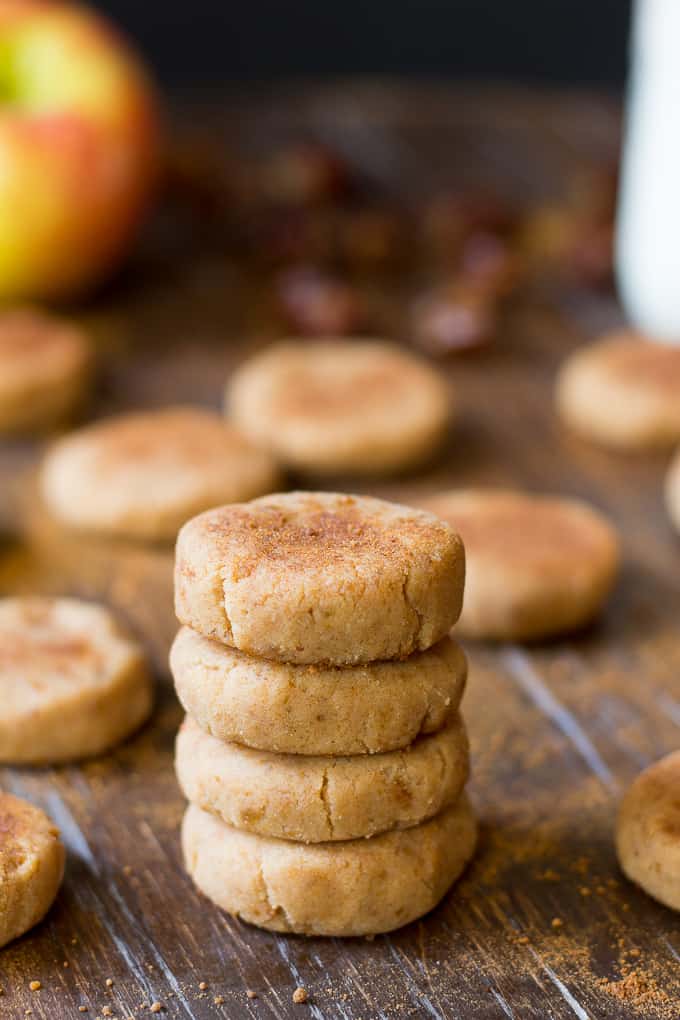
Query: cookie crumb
[
  {"x": 218, "y": 1000},
  {"x": 82, "y": 1009},
  {"x": 109, "y": 982},
  {"x": 155, "y": 1007},
  {"x": 202, "y": 985},
  {"x": 250, "y": 994},
  {"x": 557, "y": 922},
  {"x": 300, "y": 994},
  {"x": 523, "y": 940},
  {"x": 107, "y": 1011},
  {"x": 35, "y": 986}
]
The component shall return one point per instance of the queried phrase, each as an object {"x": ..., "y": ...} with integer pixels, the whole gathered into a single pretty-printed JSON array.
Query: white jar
[{"x": 648, "y": 230}]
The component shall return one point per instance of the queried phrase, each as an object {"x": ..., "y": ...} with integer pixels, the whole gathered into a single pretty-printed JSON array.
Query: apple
[{"x": 79, "y": 143}]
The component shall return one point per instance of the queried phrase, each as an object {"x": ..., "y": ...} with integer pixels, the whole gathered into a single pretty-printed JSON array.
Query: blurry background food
[{"x": 461, "y": 226}]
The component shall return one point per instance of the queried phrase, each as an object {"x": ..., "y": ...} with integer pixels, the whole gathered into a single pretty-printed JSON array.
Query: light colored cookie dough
[
  {"x": 31, "y": 866},
  {"x": 312, "y": 709},
  {"x": 648, "y": 831},
  {"x": 622, "y": 391},
  {"x": 72, "y": 684},
  {"x": 45, "y": 365},
  {"x": 358, "y": 887},
  {"x": 315, "y": 799},
  {"x": 341, "y": 406},
  {"x": 143, "y": 475},
  {"x": 536, "y": 566},
  {"x": 319, "y": 578},
  {"x": 673, "y": 491}
]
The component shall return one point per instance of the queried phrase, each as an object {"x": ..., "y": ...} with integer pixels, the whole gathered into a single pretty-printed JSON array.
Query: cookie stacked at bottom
[{"x": 323, "y": 754}]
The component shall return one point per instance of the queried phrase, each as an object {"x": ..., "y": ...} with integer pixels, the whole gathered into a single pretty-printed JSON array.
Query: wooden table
[{"x": 543, "y": 924}]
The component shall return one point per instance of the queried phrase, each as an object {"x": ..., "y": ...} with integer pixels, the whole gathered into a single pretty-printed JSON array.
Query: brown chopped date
[
  {"x": 284, "y": 235},
  {"x": 373, "y": 236},
  {"x": 450, "y": 218},
  {"x": 490, "y": 265},
  {"x": 453, "y": 318},
  {"x": 318, "y": 304},
  {"x": 305, "y": 174}
]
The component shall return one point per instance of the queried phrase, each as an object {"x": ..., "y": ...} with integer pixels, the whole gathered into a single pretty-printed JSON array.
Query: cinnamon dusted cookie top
[
  {"x": 341, "y": 406},
  {"x": 623, "y": 391},
  {"x": 648, "y": 831},
  {"x": 319, "y": 578},
  {"x": 535, "y": 565},
  {"x": 31, "y": 866},
  {"x": 44, "y": 369},
  {"x": 144, "y": 474},
  {"x": 72, "y": 683}
]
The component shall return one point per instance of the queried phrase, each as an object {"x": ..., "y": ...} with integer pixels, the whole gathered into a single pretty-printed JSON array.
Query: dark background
[{"x": 200, "y": 42}]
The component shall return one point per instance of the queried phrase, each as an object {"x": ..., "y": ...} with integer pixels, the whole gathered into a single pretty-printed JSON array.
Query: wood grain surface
[{"x": 543, "y": 924}]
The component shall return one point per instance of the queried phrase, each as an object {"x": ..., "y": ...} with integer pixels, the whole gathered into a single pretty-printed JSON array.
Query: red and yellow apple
[{"x": 78, "y": 148}]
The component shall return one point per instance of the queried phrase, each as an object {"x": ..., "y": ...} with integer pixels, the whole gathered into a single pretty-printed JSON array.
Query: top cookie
[
  {"x": 144, "y": 474},
  {"x": 536, "y": 565},
  {"x": 319, "y": 577},
  {"x": 44, "y": 366},
  {"x": 623, "y": 391},
  {"x": 341, "y": 406}
]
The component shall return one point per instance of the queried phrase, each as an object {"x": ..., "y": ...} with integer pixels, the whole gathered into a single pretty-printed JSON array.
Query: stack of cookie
[{"x": 323, "y": 754}]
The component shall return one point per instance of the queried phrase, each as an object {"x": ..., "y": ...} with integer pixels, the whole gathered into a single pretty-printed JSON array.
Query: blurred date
[
  {"x": 453, "y": 319},
  {"x": 316, "y": 303}
]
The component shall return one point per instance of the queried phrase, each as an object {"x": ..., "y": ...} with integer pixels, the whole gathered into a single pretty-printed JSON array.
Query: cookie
[
  {"x": 315, "y": 799},
  {"x": 319, "y": 578},
  {"x": 536, "y": 566},
  {"x": 341, "y": 407},
  {"x": 622, "y": 391},
  {"x": 142, "y": 475},
  {"x": 31, "y": 866},
  {"x": 356, "y": 887},
  {"x": 673, "y": 491},
  {"x": 319, "y": 710},
  {"x": 71, "y": 683},
  {"x": 45, "y": 366},
  {"x": 648, "y": 831}
]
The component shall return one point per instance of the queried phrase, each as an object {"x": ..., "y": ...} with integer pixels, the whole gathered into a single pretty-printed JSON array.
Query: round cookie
[
  {"x": 648, "y": 831},
  {"x": 341, "y": 406},
  {"x": 356, "y": 887},
  {"x": 142, "y": 475},
  {"x": 31, "y": 866},
  {"x": 71, "y": 683},
  {"x": 319, "y": 710},
  {"x": 535, "y": 565},
  {"x": 622, "y": 391},
  {"x": 45, "y": 366},
  {"x": 316, "y": 799},
  {"x": 672, "y": 490},
  {"x": 310, "y": 577}
]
